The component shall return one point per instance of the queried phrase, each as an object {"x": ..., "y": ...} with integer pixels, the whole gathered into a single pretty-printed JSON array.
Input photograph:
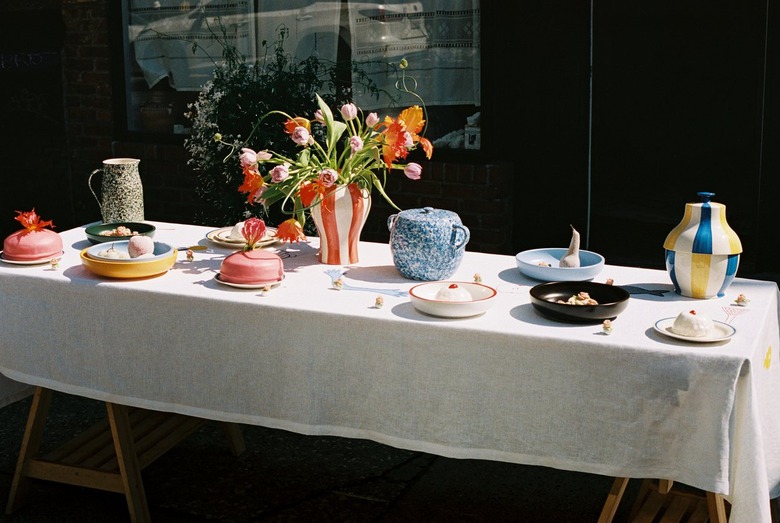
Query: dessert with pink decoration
[{"x": 34, "y": 242}]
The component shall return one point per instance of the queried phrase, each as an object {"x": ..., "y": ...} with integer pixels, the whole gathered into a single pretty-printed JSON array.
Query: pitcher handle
[
  {"x": 89, "y": 182},
  {"x": 460, "y": 236}
]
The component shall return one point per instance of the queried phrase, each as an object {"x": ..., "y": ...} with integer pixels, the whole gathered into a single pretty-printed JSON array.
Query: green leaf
[
  {"x": 335, "y": 128},
  {"x": 304, "y": 156}
]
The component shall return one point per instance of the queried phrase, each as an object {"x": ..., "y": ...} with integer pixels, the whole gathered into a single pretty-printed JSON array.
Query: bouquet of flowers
[
  {"x": 355, "y": 149},
  {"x": 241, "y": 89}
]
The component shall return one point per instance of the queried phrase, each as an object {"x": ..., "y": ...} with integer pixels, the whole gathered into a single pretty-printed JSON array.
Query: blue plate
[
  {"x": 119, "y": 249},
  {"x": 542, "y": 265}
]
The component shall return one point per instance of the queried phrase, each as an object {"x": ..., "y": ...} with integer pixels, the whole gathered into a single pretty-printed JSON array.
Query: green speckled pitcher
[{"x": 122, "y": 195}]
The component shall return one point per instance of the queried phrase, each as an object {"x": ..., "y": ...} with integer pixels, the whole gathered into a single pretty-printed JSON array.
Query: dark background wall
[
  {"x": 678, "y": 105},
  {"x": 681, "y": 97},
  {"x": 33, "y": 166}
]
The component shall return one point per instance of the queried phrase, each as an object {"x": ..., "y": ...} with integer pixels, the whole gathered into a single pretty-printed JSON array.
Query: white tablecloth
[{"x": 508, "y": 385}]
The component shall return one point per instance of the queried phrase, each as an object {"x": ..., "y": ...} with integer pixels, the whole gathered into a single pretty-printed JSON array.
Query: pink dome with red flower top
[
  {"x": 32, "y": 243},
  {"x": 27, "y": 245}
]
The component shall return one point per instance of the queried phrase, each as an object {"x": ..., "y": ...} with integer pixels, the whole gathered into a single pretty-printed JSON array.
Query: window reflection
[{"x": 173, "y": 45}]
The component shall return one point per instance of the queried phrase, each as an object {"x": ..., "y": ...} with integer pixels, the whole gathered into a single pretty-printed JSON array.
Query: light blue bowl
[
  {"x": 161, "y": 251},
  {"x": 533, "y": 264}
]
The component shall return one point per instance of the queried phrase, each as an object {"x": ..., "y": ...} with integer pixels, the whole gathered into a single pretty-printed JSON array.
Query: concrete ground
[{"x": 287, "y": 477}]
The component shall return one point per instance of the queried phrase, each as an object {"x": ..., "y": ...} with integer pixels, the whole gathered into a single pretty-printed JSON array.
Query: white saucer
[
  {"x": 222, "y": 237},
  {"x": 260, "y": 285},
  {"x": 40, "y": 261},
  {"x": 723, "y": 331}
]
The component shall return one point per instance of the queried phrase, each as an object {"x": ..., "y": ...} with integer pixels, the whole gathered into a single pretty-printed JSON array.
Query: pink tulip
[
  {"x": 355, "y": 143},
  {"x": 372, "y": 119},
  {"x": 328, "y": 177},
  {"x": 248, "y": 157},
  {"x": 413, "y": 170},
  {"x": 257, "y": 196},
  {"x": 349, "y": 112},
  {"x": 280, "y": 172},
  {"x": 300, "y": 135}
]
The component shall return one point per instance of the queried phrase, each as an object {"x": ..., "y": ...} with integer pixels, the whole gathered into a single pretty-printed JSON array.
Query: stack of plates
[{"x": 222, "y": 238}]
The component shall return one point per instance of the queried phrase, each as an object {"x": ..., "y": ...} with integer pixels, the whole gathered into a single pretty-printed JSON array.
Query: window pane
[
  {"x": 172, "y": 47},
  {"x": 440, "y": 41}
]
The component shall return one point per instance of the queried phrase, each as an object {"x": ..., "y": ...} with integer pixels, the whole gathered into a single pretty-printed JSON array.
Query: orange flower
[
  {"x": 415, "y": 123},
  {"x": 290, "y": 231},
  {"x": 427, "y": 147},
  {"x": 413, "y": 119},
  {"x": 395, "y": 142},
  {"x": 309, "y": 192},
  {"x": 31, "y": 221},
  {"x": 402, "y": 133},
  {"x": 253, "y": 184}
]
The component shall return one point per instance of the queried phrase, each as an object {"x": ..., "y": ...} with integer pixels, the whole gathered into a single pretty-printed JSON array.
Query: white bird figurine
[{"x": 572, "y": 256}]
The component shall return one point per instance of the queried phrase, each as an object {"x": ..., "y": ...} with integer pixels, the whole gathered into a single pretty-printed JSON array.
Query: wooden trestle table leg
[
  {"x": 110, "y": 455},
  {"x": 127, "y": 459},
  {"x": 613, "y": 500},
  {"x": 31, "y": 444}
]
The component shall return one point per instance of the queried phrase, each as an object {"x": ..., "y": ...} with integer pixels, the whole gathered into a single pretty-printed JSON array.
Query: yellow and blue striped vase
[{"x": 702, "y": 251}]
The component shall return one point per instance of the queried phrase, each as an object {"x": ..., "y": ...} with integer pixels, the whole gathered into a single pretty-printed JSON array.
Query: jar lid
[
  {"x": 704, "y": 230},
  {"x": 429, "y": 214}
]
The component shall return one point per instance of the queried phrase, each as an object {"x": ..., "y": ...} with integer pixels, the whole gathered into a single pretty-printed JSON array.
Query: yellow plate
[{"x": 125, "y": 269}]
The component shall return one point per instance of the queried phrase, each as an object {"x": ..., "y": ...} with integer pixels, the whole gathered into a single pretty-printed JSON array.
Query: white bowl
[
  {"x": 534, "y": 263},
  {"x": 424, "y": 299}
]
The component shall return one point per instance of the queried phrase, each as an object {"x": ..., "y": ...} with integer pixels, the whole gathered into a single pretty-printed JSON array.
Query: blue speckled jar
[{"x": 427, "y": 244}]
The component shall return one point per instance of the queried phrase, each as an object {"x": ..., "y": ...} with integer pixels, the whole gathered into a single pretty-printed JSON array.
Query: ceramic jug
[
  {"x": 702, "y": 251},
  {"x": 427, "y": 244},
  {"x": 122, "y": 195}
]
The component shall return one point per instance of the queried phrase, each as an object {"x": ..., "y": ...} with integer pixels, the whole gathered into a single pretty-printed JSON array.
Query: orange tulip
[
  {"x": 253, "y": 184},
  {"x": 290, "y": 231}
]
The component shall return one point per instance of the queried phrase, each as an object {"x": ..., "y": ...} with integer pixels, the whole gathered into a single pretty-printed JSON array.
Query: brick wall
[
  {"x": 88, "y": 97},
  {"x": 479, "y": 194}
]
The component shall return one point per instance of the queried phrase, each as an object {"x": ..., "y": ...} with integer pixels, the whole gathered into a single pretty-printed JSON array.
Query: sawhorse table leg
[
  {"x": 110, "y": 455},
  {"x": 715, "y": 506}
]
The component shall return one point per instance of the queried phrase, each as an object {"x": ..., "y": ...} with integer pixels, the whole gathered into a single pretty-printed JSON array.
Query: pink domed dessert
[
  {"x": 252, "y": 268},
  {"x": 33, "y": 242}
]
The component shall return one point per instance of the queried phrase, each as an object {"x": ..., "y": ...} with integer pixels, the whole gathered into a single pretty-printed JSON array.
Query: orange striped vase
[{"x": 339, "y": 218}]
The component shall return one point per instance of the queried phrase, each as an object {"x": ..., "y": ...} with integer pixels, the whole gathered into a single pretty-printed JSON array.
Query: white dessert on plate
[
  {"x": 113, "y": 254},
  {"x": 236, "y": 233},
  {"x": 693, "y": 324},
  {"x": 453, "y": 292}
]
